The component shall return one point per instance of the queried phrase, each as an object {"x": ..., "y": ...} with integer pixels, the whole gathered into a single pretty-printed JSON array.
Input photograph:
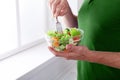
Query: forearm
[
  {"x": 107, "y": 58},
  {"x": 70, "y": 19}
]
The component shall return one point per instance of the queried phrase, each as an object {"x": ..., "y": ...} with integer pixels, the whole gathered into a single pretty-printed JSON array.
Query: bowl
[{"x": 59, "y": 40}]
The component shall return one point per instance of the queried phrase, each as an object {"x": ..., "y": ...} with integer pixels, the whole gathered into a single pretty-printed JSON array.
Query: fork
[{"x": 58, "y": 26}]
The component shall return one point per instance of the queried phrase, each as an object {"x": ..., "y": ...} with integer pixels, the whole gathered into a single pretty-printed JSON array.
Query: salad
[{"x": 69, "y": 36}]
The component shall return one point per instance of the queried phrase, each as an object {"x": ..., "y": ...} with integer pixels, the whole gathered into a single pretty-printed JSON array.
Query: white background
[
  {"x": 8, "y": 25},
  {"x": 32, "y": 19}
]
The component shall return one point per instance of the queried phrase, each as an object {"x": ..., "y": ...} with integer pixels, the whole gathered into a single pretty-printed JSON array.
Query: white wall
[
  {"x": 79, "y": 4},
  {"x": 8, "y": 26},
  {"x": 32, "y": 19},
  {"x": 73, "y": 6}
]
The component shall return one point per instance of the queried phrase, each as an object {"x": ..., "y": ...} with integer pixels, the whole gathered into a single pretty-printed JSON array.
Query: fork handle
[{"x": 57, "y": 19}]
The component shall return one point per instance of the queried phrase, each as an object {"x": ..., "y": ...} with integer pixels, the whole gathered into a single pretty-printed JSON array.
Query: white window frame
[{"x": 30, "y": 45}]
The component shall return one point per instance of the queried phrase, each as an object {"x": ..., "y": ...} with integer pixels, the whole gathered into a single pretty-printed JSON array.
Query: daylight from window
[
  {"x": 21, "y": 23},
  {"x": 8, "y": 25}
]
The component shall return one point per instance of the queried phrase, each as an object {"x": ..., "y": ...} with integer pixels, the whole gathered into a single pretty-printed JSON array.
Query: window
[
  {"x": 32, "y": 20},
  {"x": 21, "y": 24},
  {"x": 8, "y": 26}
]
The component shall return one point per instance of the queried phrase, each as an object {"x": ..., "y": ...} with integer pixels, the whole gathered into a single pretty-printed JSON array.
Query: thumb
[{"x": 71, "y": 47}]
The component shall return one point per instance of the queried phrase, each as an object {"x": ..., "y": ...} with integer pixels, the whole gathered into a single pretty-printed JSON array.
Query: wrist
[
  {"x": 69, "y": 12},
  {"x": 91, "y": 56},
  {"x": 70, "y": 19}
]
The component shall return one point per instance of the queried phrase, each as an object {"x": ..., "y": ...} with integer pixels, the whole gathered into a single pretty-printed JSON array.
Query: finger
[
  {"x": 75, "y": 49},
  {"x": 58, "y": 9},
  {"x": 63, "y": 12},
  {"x": 69, "y": 57},
  {"x": 50, "y": 3},
  {"x": 70, "y": 47},
  {"x": 52, "y": 50},
  {"x": 65, "y": 54},
  {"x": 57, "y": 53},
  {"x": 54, "y": 5}
]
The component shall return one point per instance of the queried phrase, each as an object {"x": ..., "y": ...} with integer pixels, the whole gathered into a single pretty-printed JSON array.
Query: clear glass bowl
[{"x": 60, "y": 43}]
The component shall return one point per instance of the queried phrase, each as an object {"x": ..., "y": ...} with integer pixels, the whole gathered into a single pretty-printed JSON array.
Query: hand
[
  {"x": 59, "y": 7},
  {"x": 73, "y": 52}
]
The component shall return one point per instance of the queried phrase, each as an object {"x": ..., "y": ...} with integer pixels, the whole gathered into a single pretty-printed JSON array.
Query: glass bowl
[{"x": 59, "y": 40}]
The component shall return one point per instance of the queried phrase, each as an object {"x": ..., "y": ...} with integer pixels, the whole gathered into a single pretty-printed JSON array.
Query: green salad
[{"x": 68, "y": 36}]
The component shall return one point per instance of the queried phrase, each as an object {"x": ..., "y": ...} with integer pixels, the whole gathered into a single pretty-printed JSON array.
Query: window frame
[{"x": 29, "y": 45}]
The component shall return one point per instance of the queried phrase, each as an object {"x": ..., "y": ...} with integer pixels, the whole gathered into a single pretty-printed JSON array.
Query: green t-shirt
[{"x": 100, "y": 20}]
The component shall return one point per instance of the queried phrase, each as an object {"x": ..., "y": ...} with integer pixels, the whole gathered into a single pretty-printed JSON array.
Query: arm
[
  {"x": 70, "y": 20},
  {"x": 83, "y": 53},
  {"x": 107, "y": 58},
  {"x": 62, "y": 8}
]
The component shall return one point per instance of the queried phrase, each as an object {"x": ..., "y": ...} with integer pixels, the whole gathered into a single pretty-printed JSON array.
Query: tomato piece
[{"x": 76, "y": 38}]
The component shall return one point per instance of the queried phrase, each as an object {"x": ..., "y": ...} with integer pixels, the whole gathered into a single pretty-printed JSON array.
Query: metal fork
[{"x": 58, "y": 26}]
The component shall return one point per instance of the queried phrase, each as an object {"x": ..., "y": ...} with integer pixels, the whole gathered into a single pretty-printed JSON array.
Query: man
[{"x": 99, "y": 52}]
